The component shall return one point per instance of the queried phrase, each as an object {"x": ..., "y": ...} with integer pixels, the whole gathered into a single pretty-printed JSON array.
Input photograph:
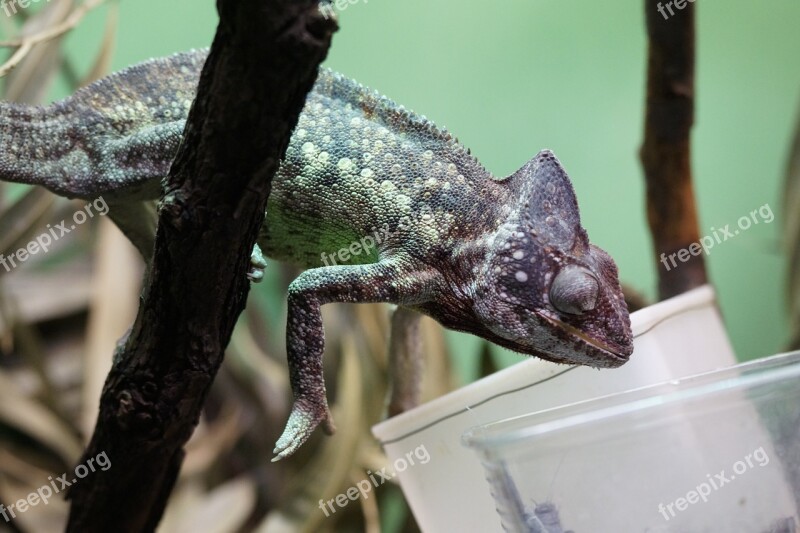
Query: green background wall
[{"x": 512, "y": 77}]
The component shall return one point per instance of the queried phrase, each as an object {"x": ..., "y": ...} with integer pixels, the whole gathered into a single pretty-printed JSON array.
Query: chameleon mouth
[{"x": 615, "y": 353}]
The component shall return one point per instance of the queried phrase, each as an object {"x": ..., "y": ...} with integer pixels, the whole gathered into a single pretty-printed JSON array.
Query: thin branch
[
  {"x": 26, "y": 43},
  {"x": 666, "y": 154},
  {"x": 791, "y": 228}
]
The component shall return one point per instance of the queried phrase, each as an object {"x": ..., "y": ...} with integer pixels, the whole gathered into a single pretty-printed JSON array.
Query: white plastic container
[{"x": 675, "y": 338}]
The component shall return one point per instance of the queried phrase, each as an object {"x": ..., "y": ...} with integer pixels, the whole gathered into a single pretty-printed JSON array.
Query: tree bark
[
  {"x": 262, "y": 63},
  {"x": 666, "y": 154}
]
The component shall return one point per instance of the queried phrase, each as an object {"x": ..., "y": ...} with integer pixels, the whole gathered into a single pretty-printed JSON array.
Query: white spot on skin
[
  {"x": 519, "y": 254},
  {"x": 345, "y": 164},
  {"x": 521, "y": 276}
]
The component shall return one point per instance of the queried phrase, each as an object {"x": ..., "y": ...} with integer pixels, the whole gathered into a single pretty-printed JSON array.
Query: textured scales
[{"x": 504, "y": 259}]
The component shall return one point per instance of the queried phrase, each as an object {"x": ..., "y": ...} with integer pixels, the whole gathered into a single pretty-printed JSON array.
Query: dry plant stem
[
  {"x": 262, "y": 64},
  {"x": 24, "y": 45},
  {"x": 405, "y": 361},
  {"x": 665, "y": 154},
  {"x": 791, "y": 210}
]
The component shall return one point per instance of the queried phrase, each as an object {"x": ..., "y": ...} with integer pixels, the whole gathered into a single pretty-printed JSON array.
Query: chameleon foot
[
  {"x": 304, "y": 419},
  {"x": 257, "y": 265}
]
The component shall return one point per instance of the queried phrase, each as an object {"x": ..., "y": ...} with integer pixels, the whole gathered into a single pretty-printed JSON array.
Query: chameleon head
[{"x": 545, "y": 290}]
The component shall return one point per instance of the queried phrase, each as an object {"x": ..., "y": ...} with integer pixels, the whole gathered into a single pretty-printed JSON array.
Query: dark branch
[
  {"x": 262, "y": 63},
  {"x": 666, "y": 154}
]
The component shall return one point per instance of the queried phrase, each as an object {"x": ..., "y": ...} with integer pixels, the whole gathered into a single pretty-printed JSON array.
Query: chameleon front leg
[
  {"x": 392, "y": 281},
  {"x": 405, "y": 360}
]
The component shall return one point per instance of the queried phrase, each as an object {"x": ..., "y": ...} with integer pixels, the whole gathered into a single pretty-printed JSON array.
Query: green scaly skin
[{"x": 425, "y": 226}]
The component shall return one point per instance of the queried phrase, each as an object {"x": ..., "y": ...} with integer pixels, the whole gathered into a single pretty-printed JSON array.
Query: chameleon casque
[{"x": 504, "y": 259}]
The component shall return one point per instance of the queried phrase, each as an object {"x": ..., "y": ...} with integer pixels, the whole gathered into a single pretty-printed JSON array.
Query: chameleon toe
[
  {"x": 257, "y": 265},
  {"x": 301, "y": 424}
]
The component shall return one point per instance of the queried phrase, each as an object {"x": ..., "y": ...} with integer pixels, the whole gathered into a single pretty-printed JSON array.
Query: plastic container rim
[{"x": 746, "y": 375}]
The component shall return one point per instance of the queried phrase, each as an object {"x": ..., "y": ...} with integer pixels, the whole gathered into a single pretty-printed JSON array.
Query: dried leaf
[
  {"x": 45, "y": 296},
  {"x": 50, "y": 517},
  {"x": 224, "y": 509},
  {"x": 29, "y": 417},
  {"x": 117, "y": 271},
  {"x": 212, "y": 441},
  {"x": 21, "y": 219},
  {"x": 26, "y": 43},
  {"x": 30, "y": 81}
]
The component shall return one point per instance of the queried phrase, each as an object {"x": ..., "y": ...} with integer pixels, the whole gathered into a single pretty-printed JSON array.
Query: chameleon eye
[{"x": 574, "y": 291}]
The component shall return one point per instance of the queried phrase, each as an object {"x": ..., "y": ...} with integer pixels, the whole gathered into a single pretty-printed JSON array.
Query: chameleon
[{"x": 505, "y": 259}]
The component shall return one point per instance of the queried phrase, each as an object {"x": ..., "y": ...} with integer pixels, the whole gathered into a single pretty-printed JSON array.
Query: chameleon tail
[{"x": 116, "y": 136}]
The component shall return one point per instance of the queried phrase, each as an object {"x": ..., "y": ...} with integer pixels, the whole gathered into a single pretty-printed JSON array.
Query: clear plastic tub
[{"x": 715, "y": 452}]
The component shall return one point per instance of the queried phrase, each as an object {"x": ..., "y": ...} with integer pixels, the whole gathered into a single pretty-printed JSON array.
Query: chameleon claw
[
  {"x": 302, "y": 423},
  {"x": 257, "y": 265}
]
